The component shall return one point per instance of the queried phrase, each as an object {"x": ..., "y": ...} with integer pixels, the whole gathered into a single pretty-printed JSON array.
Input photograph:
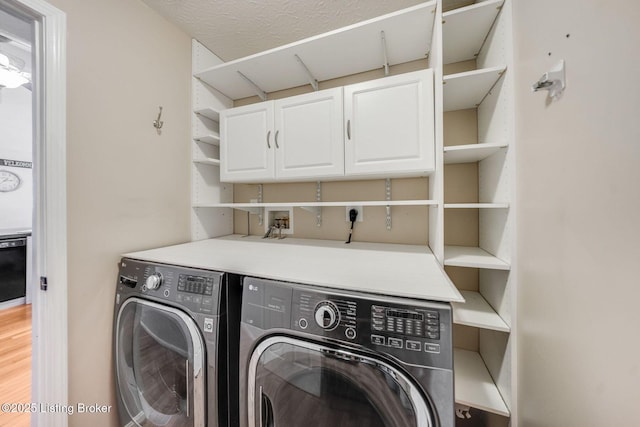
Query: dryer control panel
[{"x": 414, "y": 331}]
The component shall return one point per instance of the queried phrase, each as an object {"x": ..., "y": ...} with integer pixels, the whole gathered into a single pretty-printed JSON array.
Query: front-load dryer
[
  {"x": 171, "y": 345},
  {"x": 318, "y": 357}
]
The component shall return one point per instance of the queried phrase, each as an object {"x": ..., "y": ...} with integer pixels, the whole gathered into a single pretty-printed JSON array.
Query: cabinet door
[
  {"x": 389, "y": 126},
  {"x": 309, "y": 136},
  {"x": 247, "y": 143}
]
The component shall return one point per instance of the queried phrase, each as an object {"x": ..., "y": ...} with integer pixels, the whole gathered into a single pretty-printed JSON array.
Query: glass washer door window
[
  {"x": 295, "y": 383},
  {"x": 159, "y": 365}
]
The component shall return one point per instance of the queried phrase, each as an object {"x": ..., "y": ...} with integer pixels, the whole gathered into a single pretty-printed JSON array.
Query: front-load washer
[
  {"x": 171, "y": 346},
  {"x": 319, "y": 357}
]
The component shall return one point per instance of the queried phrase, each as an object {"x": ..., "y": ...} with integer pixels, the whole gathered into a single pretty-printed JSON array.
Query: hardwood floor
[{"x": 15, "y": 362}]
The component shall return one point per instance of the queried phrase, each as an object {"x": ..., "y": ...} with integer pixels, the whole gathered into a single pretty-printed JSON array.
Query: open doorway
[
  {"x": 16, "y": 219},
  {"x": 38, "y": 30}
]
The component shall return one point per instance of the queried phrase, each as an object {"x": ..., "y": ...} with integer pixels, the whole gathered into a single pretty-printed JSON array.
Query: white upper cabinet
[
  {"x": 247, "y": 143},
  {"x": 308, "y": 135},
  {"x": 296, "y": 138},
  {"x": 380, "y": 128},
  {"x": 389, "y": 126}
]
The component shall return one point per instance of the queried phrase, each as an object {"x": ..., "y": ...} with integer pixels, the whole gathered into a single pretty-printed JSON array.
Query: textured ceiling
[{"x": 236, "y": 28}]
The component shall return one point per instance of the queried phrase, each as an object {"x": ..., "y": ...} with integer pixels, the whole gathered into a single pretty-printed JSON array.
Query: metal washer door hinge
[{"x": 43, "y": 283}]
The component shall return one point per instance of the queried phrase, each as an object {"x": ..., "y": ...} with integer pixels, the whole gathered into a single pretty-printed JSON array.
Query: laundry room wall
[
  {"x": 127, "y": 185},
  {"x": 578, "y": 204},
  {"x": 15, "y": 144}
]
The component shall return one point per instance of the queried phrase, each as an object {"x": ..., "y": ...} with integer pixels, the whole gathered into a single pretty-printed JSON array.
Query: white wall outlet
[{"x": 360, "y": 210}]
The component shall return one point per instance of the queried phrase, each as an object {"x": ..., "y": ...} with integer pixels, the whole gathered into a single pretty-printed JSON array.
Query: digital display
[
  {"x": 195, "y": 284},
  {"x": 405, "y": 314}
]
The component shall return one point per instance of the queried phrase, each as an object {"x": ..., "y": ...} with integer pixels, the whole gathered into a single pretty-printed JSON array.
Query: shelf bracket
[
  {"x": 260, "y": 218},
  {"x": 261, "y": 94},
  {"x": 387, "y": 184},
  {"x": 316, "y": 210},
  {"x": 312, "y": 80},
  {"x": 384, "y": 53},
  {"x": 319, "y": 199}
]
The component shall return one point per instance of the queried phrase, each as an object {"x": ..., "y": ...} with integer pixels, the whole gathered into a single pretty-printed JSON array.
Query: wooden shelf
[
  {"x": 477, "y": 312},
  {"x": 465, "y": 30},
  {"x": 209, "y": 139},
  {"x": 349, "y": 50},
  {"x": 209, "y": 113},
  {"x": 468, "y": 89},
  {"x": 463, "y": 256},
  {"x": 473, "y": 384},
  {"x": 211, "y": 162},
  {"x": 476, "y": 205},
  {"x": 470, "y": 153},
  {"x": 245, "y": 206}
]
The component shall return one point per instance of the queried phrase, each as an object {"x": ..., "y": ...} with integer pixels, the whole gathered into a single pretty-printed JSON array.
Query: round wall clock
[{"x": 9, "y": 181}]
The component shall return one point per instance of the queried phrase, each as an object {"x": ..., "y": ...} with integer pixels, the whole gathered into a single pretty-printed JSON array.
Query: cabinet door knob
[
  {"x": 268, "y": 137},
  {"x": 349, "y": 129},
  {"x": 276, "y": 138}
]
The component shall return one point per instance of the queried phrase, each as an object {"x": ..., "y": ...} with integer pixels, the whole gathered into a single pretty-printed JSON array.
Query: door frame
[{"x": 49, "y": 380}]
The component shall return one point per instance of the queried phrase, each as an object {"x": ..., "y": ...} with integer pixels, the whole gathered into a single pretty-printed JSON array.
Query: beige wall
[
  {"x": 127, "y": 186},
  {"x": 578, "y": 205}
]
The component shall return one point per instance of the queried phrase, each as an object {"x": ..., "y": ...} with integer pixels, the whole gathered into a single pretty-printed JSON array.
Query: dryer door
[
  {"x": 160, "y": 365},
  {"x": 295, "y": 383}
]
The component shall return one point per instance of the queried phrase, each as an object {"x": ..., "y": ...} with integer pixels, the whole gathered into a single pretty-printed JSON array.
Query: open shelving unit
[
  {"x": 476, "y": 45},
  {"x": 211, "y": 138},
  {"x": 477, "y": 312},
  {"x": 470, "y": 153},
  {"x": 471, "y": 257},
  {"x": 465, "y": 30},
  {"x": 468, "y": 89},
  {"x": 208, "y": 112},
  {"x": 474, "y": 385},
  {"x": 206, "y": 188},
  {"x": 476, "y": 205}
]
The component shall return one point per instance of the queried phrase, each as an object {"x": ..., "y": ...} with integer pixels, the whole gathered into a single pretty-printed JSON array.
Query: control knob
[
  {"x": 154, "y": 281},
  {"x": 327, "y": 315}
]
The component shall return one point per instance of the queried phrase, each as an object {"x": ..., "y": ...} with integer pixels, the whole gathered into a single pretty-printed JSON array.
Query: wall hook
[
  {"x": 553, "y": 81},
  {"x": 157, "y": 123}
]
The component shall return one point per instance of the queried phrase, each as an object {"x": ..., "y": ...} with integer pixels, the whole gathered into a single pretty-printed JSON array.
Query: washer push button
[
  {"x": 414, "y": 345},
  {"x": 377, "y": 340},
  {"x": 432, "y": 348},
  {"x": 395, "y": 342}
]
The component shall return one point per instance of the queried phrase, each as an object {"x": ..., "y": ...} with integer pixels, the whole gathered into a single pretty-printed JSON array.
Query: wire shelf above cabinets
[{"x": 346, "y": 51}]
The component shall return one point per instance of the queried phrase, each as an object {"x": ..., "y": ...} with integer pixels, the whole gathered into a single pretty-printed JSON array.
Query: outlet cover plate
[{"x": 360, "y": 210}]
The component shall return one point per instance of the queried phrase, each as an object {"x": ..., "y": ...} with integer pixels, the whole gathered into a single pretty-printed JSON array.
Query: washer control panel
[
  {"x": 416, "y": 323},
  {"x": 192, "y": 288}
]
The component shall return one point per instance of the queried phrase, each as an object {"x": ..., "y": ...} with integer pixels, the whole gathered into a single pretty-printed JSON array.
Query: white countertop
[
  {"x": 5, "y": 232},
  {"x": 388, "y": 269}
]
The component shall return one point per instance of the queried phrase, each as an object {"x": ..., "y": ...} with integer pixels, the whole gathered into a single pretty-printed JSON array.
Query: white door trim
[{"x": 50, "y": 347}]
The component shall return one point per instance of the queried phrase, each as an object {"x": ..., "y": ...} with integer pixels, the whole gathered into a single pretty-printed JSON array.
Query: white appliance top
[{"x": 389, "y": 269}]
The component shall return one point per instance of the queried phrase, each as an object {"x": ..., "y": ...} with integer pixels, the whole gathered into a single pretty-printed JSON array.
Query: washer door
[
  {"x": 159, "y": 366},
  {"x": 294, "y": 383}
]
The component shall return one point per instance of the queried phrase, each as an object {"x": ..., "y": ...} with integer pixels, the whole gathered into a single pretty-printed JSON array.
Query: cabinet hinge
[{"x": 43, "y": 283}]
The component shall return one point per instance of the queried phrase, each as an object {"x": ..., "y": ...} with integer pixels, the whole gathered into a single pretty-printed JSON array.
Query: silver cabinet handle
[
  {"x": 268, "y": 137},
  {"x": 276, "y": 138},
  {"x": 349, "y": 129}
]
